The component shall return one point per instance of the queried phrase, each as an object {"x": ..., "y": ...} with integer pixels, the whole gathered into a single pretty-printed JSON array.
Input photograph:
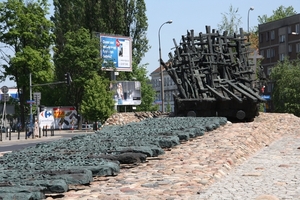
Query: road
[{"x": 14, "y": 144}]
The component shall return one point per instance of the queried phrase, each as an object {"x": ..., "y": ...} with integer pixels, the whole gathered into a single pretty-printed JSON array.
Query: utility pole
[
  {"x": 162, "y": 90},
  {"x": 30, "y": 100}
]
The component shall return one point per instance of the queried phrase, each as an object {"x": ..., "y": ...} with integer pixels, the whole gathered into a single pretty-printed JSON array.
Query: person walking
[
  {"x": 30, "y": 131},
  {"x": 36, "y": 128}
]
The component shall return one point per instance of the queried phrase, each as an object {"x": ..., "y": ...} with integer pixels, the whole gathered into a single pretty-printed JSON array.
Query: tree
[
  {"x": 286, "y": 92},
  {"x": 25, "y": 30},
  {"x": 119, "y": 17},
  {"x": 80, "y": 58},
  {"x": 279, "y": 13},
  {"x": 231, "y": 21},
  {"x": 97, "y": 103}
]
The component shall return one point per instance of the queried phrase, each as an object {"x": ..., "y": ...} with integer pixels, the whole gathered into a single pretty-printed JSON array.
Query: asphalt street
[{"x": 13, "y": 143}]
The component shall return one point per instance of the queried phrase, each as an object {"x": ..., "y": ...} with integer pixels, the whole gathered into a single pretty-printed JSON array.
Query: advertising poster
[
  {"x": 116, "y": 51},
  {"x": 63, "y": 117},
  {"x": 127, "y": 92}
]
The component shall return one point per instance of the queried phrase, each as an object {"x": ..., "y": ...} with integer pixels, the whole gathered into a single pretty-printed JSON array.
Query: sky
[{"x": 194, "y": 14}]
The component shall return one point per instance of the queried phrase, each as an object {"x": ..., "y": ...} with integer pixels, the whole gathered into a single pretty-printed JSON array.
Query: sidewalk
[{"x": 272, "y": 173}]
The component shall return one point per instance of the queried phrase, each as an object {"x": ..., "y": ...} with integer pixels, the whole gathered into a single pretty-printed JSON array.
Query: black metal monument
[{"x": 214, "y": 76}]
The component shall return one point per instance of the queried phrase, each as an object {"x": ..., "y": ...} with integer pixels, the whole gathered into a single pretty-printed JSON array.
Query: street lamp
[
  {"x": 251, "y": 8},
  {"x": 161, "y": 67}
]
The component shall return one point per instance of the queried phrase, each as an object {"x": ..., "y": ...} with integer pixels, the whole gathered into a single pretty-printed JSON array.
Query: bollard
[
  {"x": 18, "y": 133},
  {"x": 0, "y": 135},
  {"x": 6, "y": 131},
  {"x": 46, "y": 130},
  {"x": 52, "y": 131},
  {"x": 39, "y": 132},
  {"x": 9, "y": 134},
  {"x": 26, "y": 134}
]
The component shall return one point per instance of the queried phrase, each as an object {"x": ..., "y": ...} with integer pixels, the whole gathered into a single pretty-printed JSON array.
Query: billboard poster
[
  {"x": 127, "y": 92},
  {"x": 61, "y": 117},
  {"x": 116, "y": 51}
]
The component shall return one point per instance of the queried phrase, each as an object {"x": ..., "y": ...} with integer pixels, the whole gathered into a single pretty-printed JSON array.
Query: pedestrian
[
  {"x": 36, "y": 128},
  {"x": 30, "y": 131}
]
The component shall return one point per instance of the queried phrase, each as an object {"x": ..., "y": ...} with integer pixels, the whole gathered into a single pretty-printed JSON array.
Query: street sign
[
  {"x": 5, "y": 97},
  {"x": 4, "y": 89},
  {"x": 30, "y": 101},
  {"x": 37, "y": 97}
]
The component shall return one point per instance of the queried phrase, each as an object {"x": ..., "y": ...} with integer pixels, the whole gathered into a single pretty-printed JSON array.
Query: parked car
[{"x": 87, "y": 126}]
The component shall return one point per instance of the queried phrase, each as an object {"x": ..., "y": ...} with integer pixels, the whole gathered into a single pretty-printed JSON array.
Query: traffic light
[
  {"x": 42, "y": 108},
  {"x": 68, "y": 79}
]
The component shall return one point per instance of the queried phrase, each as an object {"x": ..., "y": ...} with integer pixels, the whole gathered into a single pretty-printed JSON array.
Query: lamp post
[
  {"x": 161, "y": 68},
  {"x": 251, "y": 8}
]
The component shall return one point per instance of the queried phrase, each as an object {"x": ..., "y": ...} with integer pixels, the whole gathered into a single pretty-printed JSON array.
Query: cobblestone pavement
[
  {"x": 243, "y": 161},
  {"x": 272, "y": 173}
]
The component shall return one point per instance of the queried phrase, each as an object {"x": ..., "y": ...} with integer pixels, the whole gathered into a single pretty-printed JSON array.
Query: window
[
  {"x": 261, "y": 36},
  {"x": 267, "y": 36},
  {"x": 290, "y": 48},
  {"x": 268, "y": 53},
  {"x": 297, "y": 28},
  {"x": 289, "y": 30},
  {"x": 272, "y": 35},
  {"x": 298, "y": 47},
  {"x": 282, "y": 38},
  {"x": 262, "y": 53},
  {"x": 269, "y": 87},
  {"x": 271, "y": 53},
  {"x": 281, "y": 57}
]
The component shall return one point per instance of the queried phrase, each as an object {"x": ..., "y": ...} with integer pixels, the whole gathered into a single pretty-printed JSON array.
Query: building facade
[
  {"x": 170, "y": 88},
  {"x": 278, "y": 40}
]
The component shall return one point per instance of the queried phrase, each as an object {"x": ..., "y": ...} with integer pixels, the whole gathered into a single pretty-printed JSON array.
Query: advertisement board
[
  {"x": 60, "y": 117},
  {"x": 127, "y": 92},
  {"x": 116, "y": 51}
]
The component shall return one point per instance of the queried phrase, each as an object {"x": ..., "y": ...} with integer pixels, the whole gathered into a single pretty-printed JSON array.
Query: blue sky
[{"x": 195, "y": 14}]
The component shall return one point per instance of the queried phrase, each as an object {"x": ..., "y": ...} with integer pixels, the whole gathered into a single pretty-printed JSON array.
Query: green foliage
[
  {"x": 231, "y": 21},
  {"x": 279, "y": 13},
  {"x": 168, "y": 106},
  {"x": 79, "y": 57},
  {"x": 26, "y": 31},
  {"x": 286, "y": 92},
  {"x": 120, "y": 17},
  {"x": 97, "y": 103}
]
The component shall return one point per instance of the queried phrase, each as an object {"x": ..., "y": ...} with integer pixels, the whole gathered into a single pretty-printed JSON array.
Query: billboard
[
  {"x": 116, "y": 51},
  {"x": 61, "y": 117},
  {"x": 127, "y": 92}
]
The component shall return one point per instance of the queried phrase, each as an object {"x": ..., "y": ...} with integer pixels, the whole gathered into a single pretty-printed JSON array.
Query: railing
[{"x": 8, "y": 134}]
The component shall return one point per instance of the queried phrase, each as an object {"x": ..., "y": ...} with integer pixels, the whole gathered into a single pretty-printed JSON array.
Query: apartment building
[
  {"x": 277, "y": 40},
  {"x": 169, "y": 89}
]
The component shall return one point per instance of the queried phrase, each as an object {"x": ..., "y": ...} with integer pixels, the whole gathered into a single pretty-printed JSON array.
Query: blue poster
[{"x": 116, "y": 51}]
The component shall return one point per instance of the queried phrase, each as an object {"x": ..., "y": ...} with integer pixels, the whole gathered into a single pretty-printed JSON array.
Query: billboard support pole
[{"x": 113, "y": 79}]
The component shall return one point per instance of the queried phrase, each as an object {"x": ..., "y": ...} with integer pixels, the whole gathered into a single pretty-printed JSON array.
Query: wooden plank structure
[{"x": 213, "y": 75}]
